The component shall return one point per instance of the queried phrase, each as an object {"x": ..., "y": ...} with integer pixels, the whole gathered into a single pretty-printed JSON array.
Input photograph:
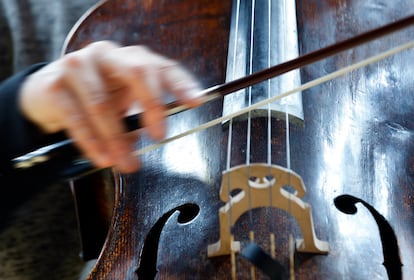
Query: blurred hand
[{"x": 87, "y": 93}]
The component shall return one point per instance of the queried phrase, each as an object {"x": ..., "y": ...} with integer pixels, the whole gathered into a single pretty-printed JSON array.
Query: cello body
[{"x": 356, "y": 139}]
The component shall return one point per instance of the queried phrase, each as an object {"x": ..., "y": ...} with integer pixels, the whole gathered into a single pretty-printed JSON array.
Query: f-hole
[
  {"x": 392, "y": 261},
  {"x": 148, "y": 262}
]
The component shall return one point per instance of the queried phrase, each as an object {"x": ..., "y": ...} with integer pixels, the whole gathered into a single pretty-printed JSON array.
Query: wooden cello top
[{"x": 356, "y": 140}]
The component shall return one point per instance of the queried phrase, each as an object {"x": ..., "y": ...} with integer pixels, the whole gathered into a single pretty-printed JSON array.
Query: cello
[{"x": 355, "y": 139}]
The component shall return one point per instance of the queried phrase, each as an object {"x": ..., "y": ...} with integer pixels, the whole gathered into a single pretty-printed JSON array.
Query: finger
[
  {"x": 89, "y": 88},
  {"x": 181, "y": 83},
  {"x": 136, "y": 70},
  {"x": 80, "y": 130},
  {"x": 145, "y": 90},
  {"x": 171, "y": 77},
  {"x": 149, "y": 76}
]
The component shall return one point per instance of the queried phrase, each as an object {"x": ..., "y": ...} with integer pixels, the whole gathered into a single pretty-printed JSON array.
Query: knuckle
[
  {"x": 102, "y": 45},
  {"x": 54, "y": 82},
  {"x": 72, "y": 60},
  {"x": 98, "y": 104}
]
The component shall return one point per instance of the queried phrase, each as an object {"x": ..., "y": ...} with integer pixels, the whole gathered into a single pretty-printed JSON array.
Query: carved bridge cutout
[{"x": 259, "y": 180}]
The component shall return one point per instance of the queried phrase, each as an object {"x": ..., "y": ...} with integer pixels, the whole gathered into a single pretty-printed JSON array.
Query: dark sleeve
[{"x": 18, "y": 135}]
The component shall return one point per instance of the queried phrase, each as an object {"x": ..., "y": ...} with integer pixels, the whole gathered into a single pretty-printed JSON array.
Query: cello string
[
  {"x": 229, "y": 145},
  {"x": 303, "y": 87},
  {"x": 228, "y": 186},
  {"x": 249, "y": 132},
  {"x": 269, "y": 132},
  {"x": 288, "y": 161},
  {"x": 269, "y": 129},
  {"x": 285, "y": 47},
  {"x": 249, "y": 115}
]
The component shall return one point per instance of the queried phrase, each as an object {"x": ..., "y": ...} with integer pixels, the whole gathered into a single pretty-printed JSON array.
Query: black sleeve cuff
[{"x": 18, "y": 135}]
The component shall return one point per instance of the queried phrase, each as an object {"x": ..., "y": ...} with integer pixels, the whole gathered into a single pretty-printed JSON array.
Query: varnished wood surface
[{"x": 357, "y": 139}]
